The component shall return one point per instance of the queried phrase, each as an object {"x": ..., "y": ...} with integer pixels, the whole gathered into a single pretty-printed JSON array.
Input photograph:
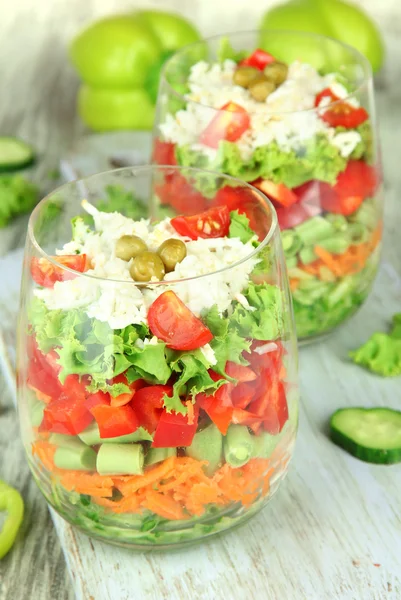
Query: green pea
[
  {"x": 172, "y": 252},
  {"x": 129, "y": 246},
  {"x": 147, "y": 265}
]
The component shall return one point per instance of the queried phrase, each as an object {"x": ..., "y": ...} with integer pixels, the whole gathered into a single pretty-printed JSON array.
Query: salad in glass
[
  {"x": 286, "y": 119},
  {"x": 157, "y": 366}
]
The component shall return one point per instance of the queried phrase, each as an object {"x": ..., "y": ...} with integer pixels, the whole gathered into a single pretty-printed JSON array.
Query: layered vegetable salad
[
  {"x": 300, "y": 137},
  {"x": 159, "y": 395}
]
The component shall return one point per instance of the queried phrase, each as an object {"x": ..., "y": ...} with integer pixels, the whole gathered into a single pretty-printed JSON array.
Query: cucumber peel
[{"x": 370, "y": 434}]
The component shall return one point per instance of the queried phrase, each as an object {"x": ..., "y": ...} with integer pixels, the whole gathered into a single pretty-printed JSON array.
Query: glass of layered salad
[
  {"x": 157, "y": 365},
  {"x": 292, "y": 114}
]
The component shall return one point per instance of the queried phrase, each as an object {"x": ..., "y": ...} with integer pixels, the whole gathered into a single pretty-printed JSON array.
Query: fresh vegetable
[
  {"x": 342, "y": 114},
  {"x": 15, "y": 154},
  {"x": 12, "y": 503},
  {"x": 207, "y": 445},
  {"x": 229, "y": 124},
  {"x": 148, "y": 405},
  {"x": 172, "y": 322},
  {"x": 371, "y": 434},
  {"x": 238, "y": 446},
  {"x": 175, "y": 429},
  {"x": 119, "y": 59},
  {"x": 18, "y": 195},
  {"x": 45, "y": 273},
  {"x": 120, "y": 459},
  {"x": 381, "y": 354},
  {"x": 213, "y": 223},
  {"x": 259, "y": 59},
  {"x": 337, "y": 19},
  {"x": 114, "y": 421},
  {"x": 277, "y": 192}
]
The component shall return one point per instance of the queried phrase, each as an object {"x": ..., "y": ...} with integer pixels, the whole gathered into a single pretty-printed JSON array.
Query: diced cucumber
[
  {"x": 370, "y": 434},
  {"x": 15, "y": 154}
]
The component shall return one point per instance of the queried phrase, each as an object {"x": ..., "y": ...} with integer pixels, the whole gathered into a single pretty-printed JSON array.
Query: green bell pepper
[
  {"x": 10, "y": 501},
  {"x": 335, "y": 18},
  {"x": 119, "y": 59}
]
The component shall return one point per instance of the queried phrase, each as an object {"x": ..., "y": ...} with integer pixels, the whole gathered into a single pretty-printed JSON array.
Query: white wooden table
[{"x": 333, "y": 531}]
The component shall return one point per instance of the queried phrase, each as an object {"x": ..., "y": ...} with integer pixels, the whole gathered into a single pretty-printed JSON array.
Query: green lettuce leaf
[
  {"x": 265, "y": 322},
  {"x": 149, "y": 363},
  {"x": 18, "y": 196},
  {"x": 239, "y": 227},
  {"x": 225, "y": 51},
  {"x": 227, "y": 343}
]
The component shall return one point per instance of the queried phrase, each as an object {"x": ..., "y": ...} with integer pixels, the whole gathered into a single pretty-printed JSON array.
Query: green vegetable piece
[
  {"x": 18, "y": 196},
  {"x": 240, "y": 228},
  {"x": 358, "y": 233},
  {"x": 337, "y": 19},
  {"x": 371, "y": 434},
  {"x": 156, "y": 455},
  {"x": 314, "y": 230},
  {"x": 119, "y": 59},
  {"x": 11, "y": 502},
  {"x": 381, "y": 354},
  {"x": 66, "y": 441},
  {"x": 341, "y": 291},
  {"x": 129, "y": 246},
  {"x": 292, "y": 243},
  {"x": 339, "y": 222},
  {"x": 238, "y": 446},
  {"x": 79, "y": 457},
  {"x": 147, "y": 265},
  {"x": 207, "y": 445},
  {"x": 396, "y": 327},
  {"x": 91, "y": 436},
  {"x": 307, "y": 255},
  {"x": 337, "y": 244},
  {"x": 172, "y": 252},
  {"x": 15, "y": 154},
  {"x": 120, "y": 459},
  {"x": 264, "y": 444},
  {"x": 35, "y": 408},
  {"x": 366, "y": 215}
]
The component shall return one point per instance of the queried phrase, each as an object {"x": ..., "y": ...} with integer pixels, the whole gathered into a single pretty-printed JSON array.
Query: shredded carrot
[
  {"x": 129, "y": 485},
  {"x": 164, "y": 505},
  {"x": 328, "y": 260},
  {"x": 190, "y": 413},
  {"x": 45, "y": 452},
  {"x": 294, "y": 283}
]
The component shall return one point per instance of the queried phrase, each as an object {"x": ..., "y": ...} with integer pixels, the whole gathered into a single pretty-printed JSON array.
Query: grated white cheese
[
  {"x": 209, "y": 354},
  {"x": 286, "y": 117},
  {"x": 120, "y": 302}
]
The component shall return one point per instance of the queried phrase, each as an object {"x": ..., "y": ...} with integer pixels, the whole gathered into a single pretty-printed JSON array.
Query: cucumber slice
[
  {"x": 15, "y": 154},
  {"x": 371, "y": 434}
]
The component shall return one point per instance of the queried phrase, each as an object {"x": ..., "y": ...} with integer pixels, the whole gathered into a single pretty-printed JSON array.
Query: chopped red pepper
[
  {"x": 230, "y": 123},
  {"x": 96, "y": 399},
  {"x": 175, "y": 430},
  {"x": 258, "y": 59},
  {"x": 148, "y": 405},
  {"x": 271, "y": 404},
  {"x": 239, "y": 372},
  {"x": 248, "y": 203},
  {"x": 114, "y": 421},
  {"x": 219, "y": 414},
  {"x": 357, "y": 182},
  {"x": 243, "y": 394},
  {"x": 68, "y": 413},
  {"x": 244, "y": 417},
  {"x": 278, "y": 193},
  {"x": 212, "y": 223},
  {"x": 164, "y": 153},
  {"x": 123, "y": 399},
  {"x": 176, "y": 191},
  {"x": 171, "y": 321}
]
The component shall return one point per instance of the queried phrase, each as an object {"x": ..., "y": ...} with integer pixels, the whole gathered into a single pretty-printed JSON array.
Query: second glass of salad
[
  {"x": 292, "y": 114},
  {"x": 157, "y": 362}
]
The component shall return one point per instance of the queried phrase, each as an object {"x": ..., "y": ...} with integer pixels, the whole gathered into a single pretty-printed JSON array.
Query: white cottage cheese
[
  {"x": 286, "y": 116},
  {"x": 121, "y": 302}
]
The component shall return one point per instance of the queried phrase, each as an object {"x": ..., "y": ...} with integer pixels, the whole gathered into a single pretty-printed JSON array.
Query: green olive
[
  {"x": 129, "y": 246},
  {"x": 276, "y": 72},
  {"x": 243, "y": 76},
  {"x": 261, "y": 88},
  {"x": 172, "y": 252},
  {"x": 147, "y": 265}
]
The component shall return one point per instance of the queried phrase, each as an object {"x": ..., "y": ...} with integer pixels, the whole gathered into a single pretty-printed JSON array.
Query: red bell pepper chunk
[
  {"x": 124, "y": 398},
  {"x": 271, "y": 404},
  {"x": 239, "y": 372},
  {"x": 148, "y": 405},
  {"x": 357, "y": 182},
  {"x": 176, "y": 191},
  {"x": 114, "y": 421},
  {"x": 174, "y": 430},
  {"x": 268, "y": 360},
  {"x": 243, "y": 394},
  {"x": 96, "y": 399},
  {"x": 68, "y": 413},
  {"x": 213, "y": 223},
  {"x": 45, "y": 273},
  {"x": 230, "y": 123},
  {"x": 258, "y": 59},
  {"x": 278, "y": 193},
  {"x": 171, "y": 321},
  {"x": 244, "y": 417},
  {"x": 220, "y": 415},
  {"x": 43, "y": 371},
  {"x": 164, "y": 153}
]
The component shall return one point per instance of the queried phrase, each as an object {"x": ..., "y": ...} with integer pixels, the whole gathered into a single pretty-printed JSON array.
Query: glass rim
[
  {"x": 265, "y": 203},
  {"x": 359, "y": 57}
]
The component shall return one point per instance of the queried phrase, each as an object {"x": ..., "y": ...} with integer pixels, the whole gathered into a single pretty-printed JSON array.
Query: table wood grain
[{"x": 331, "y": 532}]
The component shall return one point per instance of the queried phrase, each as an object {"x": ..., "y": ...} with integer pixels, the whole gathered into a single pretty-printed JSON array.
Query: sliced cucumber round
[
  {"x": 15, "y": 154},
  {"x": 371, "y": 434}
]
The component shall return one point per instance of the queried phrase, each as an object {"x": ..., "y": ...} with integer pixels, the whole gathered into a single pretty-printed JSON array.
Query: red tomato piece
[
  {"x": 219, "y": 414},
  {"x": 239, "y": 372},
  {"x": 342, "y": 114},
  {"x": 68, "y": 413},
  {"x": 172, "y": 322},
  {"x": 45, "y": 273},
  {"x": 357, "y": 182},
  {"x": 177, "y": 192},
  {"x": 326, "y": 93},
  {"x": 258, "y": 59},
  {"x": 164, "y": 153},
  {"x": 278, "y": 193},
  {"x": 174, "y": 430},
  {"x": 148, "y": 405},
  {"x": 212, "y": 223},
  {"x": 248, "y": 203},
  {"x": 230, "y": 123},
  {"x": 114, "y": 421}
]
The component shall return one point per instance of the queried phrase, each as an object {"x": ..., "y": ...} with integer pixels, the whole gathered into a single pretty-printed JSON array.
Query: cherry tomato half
[
  {"x": 45, "y": 273},
  {"x": 212, "y": 223},
  {"x": 229, "y": 124}
]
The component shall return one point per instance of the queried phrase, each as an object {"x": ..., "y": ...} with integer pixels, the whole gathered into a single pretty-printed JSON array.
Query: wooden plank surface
[{"x": 335, "y": 518}]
